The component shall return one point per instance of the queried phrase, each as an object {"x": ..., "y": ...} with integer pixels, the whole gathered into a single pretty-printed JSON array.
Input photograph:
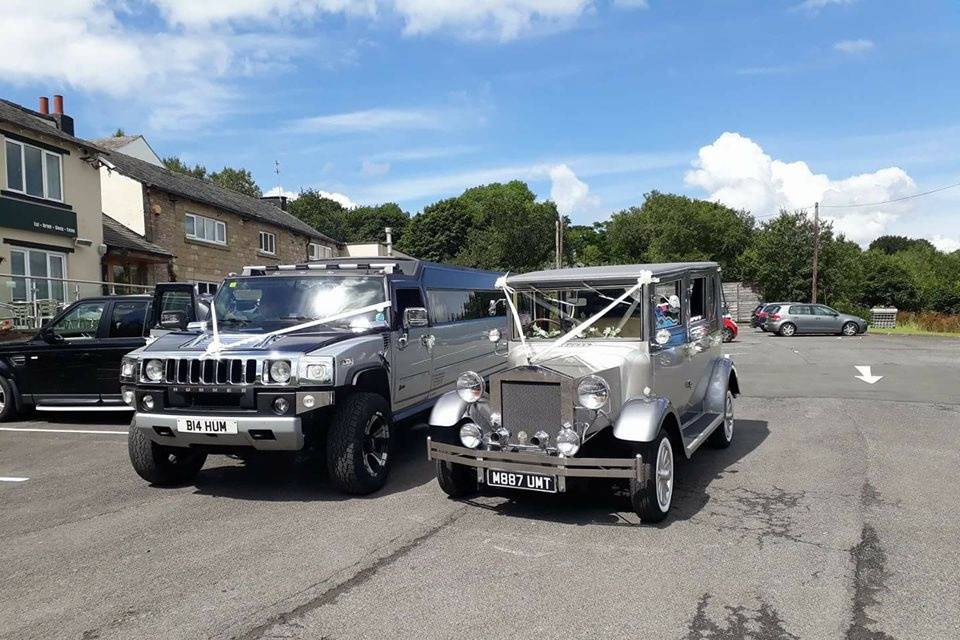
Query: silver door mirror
[{"x": 414, "y": 317}]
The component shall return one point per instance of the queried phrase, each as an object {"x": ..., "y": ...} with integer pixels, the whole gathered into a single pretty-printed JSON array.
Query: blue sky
[{"x": 594, "y": 102}]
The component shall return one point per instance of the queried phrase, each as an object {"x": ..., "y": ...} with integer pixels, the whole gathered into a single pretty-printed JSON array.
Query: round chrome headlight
[
  {"x": 148, "y": 402},
  {"x": 471, "y": 436},
  {"x": 470, "y": 386},
  {"x": 568, "y": 442},
  {"x": 280, "y": 371},
  {"x": 154, "y": 370},
  {"x": 593, "y": 392}
]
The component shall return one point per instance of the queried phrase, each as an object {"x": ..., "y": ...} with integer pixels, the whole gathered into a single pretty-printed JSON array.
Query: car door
[
  {"x": 828, "y": 320},
  {"x": 173, "y": 302},
  {"x": 412, "y": 367},
  {"x": 802, "y": 318},
  {"x": 121, "y": 332},
  {"x": 671, "y": 361},
  {"x": 63, "y": 371}
]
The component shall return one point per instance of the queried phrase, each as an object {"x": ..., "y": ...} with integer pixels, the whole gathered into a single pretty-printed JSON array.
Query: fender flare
[
  {"x": 448, "y": 410},
  {"x": 723, "y": 377},
  {"x": 640, "y": 419}
]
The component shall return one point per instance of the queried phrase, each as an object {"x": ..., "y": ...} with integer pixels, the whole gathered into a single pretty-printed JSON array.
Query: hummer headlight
[
  {"x": 593, "y": 392},
  {"x": 128, "y": 369},
  {"x": 280, "y": 371},
  {"x": 154, "y": 370},
  {"x": 470, "y": 386},
  {"x": 317, "y": 370}
]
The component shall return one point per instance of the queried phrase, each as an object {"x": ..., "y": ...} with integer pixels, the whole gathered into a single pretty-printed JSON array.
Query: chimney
[
  {"x": 64, "y": 122},
  {"x": 277, "y": 201},
  {"x": 389, "y": 231},
  {"x": 44, "y": 105}
]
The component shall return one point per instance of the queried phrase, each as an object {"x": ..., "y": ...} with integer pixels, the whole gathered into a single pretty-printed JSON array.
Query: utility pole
[{"x": 816, "y": 249}]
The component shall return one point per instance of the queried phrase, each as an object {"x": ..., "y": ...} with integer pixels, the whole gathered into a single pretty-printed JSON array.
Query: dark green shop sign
[{"x": 19, "y": 214}]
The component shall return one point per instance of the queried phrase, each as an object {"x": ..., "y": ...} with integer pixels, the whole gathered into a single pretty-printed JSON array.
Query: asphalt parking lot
[{"x": 834, "y": 515}]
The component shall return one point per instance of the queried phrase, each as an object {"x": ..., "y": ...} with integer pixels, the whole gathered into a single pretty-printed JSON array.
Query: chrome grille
[
  {"x": 224, "y": 371},
  {"x": 531, "y": 406}
]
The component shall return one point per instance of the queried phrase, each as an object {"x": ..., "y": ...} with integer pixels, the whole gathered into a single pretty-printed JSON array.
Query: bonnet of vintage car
[{"x": 645, "y": 277}]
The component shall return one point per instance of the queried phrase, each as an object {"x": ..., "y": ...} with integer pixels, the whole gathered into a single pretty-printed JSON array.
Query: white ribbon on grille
[
  {"x": 646, "y": 277},
  {"x": 216, "y": 346}
]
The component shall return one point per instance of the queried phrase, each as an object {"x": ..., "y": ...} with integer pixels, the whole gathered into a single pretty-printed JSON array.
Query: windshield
[
  {"x": 271, "y": 303},
  {"x": 550, "y": 313}
]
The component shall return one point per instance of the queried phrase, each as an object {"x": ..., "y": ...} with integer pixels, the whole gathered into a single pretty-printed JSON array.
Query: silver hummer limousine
[
  {"x": 327, "y": 355},
  {"x": 613, "y": 373}
]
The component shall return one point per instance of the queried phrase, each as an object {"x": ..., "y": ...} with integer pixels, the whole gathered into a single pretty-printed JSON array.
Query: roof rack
[{"x": 382, "y": 267}]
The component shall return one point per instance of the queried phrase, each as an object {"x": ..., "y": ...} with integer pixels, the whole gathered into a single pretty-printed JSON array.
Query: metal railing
[{"x": 26, "y": 302}]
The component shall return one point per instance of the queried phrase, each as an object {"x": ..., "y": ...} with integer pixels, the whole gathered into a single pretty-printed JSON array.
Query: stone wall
[{"x": 204, "y": 261}]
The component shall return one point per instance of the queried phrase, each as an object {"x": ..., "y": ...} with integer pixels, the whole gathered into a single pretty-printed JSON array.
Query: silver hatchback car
[{"x": 788, "y": 318}]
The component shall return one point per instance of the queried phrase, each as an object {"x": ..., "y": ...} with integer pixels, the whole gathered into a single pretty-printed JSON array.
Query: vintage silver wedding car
[{"x": 613, "y": 372}]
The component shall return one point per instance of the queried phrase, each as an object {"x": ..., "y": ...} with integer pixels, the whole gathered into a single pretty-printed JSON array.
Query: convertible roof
[{"x": 611, "y": 273}]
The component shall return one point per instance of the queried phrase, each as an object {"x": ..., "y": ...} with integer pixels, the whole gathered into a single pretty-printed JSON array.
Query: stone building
[
  {"x": 50, "y": 215},
  {"x": 209, "y": 231}
]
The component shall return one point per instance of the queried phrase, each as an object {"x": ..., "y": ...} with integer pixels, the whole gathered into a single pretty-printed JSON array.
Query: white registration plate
[
  {"x": 206, "y": 425},
  {"x": 528, "y": 481}
]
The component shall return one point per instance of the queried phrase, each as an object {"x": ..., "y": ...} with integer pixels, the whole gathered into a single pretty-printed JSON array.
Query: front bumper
[
  {"x": 562, "y": 468},
  {"x": 266, "y": 433}
]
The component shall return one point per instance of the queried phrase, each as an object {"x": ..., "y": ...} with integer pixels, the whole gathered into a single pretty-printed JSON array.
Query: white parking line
[
  {"x": 121, "y": 433},
  {"x": 12, "y": 479}
]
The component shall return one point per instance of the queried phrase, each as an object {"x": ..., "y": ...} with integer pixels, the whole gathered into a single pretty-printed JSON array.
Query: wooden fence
[{"x": 740, "y": 300}]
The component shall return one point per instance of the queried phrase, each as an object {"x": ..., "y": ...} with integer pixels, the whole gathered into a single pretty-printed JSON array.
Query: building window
[
  {"x": 268, "y": 243},
  {"x": 34, "y": 171},
  {"x": 317, "y": 251},
  {"x": 205, "y": 229},
  {"x": 38, "y": 275},
  {"x": 208, "y": 288}
]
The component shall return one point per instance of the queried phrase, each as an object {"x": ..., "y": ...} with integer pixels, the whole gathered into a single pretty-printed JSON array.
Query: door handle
[{"x": 402, "y": 342}]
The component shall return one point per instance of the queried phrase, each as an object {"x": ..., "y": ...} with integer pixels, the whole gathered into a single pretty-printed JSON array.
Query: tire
[
  {"x": 850, "y": 329},
  {"x": 645, "y": 496},
  {"x": 788, "y": 329},
  {"x": 159, "y": 465},
  {"x": 8, "y": 402},
  {"x": 358, "y": 444},
  {"x": 456, "y": 480},
  {"x": 727, "y": 335},
  {"x": 722, "y": 436}
]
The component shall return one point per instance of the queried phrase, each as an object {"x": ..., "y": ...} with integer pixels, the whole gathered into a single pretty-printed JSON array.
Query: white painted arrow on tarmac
[{"x": 865, "y": 374}]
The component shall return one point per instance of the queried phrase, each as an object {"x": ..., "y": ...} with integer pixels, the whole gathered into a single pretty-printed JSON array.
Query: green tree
[
  {"x": 239, "y": 180},
  {"x": 895, "y": 244},
  {"x": 889, "y": 283},
  {"x": 668, "y": 227},
  {"x": 176, "y": 164},
  {"x": 439, "y": 232},
  {"x": 367, "y": 223},
  {"x": 119, "y": 133},
  {"x": 586, "y": 245},
  {"x": 323, "y": 214}
]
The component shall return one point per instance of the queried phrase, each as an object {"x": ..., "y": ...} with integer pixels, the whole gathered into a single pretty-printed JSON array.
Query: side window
[
  {"x": 799, "y": 310},
  {"x": 698, "y": 299},
  {"x": 406, "y": 299},
  {"x": 447, "y": 305},
  {"x": 667, "y": 304},
  {"x": 821, "y": 310},
  {"x": 127, "y": 319},
  {"x": 175, "y": 301},
  {"x": 81, "y": 322},
  {"x": 488, "y": 304}
]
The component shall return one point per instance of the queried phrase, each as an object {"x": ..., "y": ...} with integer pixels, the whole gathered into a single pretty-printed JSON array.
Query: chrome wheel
[
  {"x": 376, "y": 444},
  {"x": 788, "y": 330},
  {"x": 728, "y": 418},
  {"x": 664, "y": 475},
  {"x": 850, "y": 329}
]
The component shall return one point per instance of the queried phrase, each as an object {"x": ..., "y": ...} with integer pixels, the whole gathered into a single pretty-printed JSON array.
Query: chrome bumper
[
  {"x": 287, "y": 432},
  {"x": 540, "y": 463}
]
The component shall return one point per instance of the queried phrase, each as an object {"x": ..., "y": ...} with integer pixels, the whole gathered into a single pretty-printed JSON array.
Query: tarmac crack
[
  {"x": 273, "y": 627},
  {"x": 740, "y": 623}
]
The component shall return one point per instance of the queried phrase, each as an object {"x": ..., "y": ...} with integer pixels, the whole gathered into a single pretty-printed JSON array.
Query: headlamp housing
[{"x": 317, "y": 370}]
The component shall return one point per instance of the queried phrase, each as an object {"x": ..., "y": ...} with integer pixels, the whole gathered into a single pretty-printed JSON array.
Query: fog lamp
[
  {"x": 568, "y": 442},
  {"x": 280, "y": 406},
  {"x": 309, "y": 401},
  {"x": 128, "y": 397},
  {"x": 470, "y": 386},
  {"x": 471, "y": 436},
  {"x": 147, "y": 402},
  {"x": 154, "y": 370}
]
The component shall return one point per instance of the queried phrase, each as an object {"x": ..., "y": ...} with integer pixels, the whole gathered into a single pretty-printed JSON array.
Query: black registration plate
[{"x": 527, "y": 481}]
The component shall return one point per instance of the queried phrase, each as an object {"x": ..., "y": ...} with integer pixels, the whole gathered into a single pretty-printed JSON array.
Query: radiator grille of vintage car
[
  {"x": 531, "y": 406},
  {"x": 227, "y": 371}
]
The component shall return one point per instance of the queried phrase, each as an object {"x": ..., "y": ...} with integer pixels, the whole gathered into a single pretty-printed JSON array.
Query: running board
[
  {"x": 697, "y": 430},
  {"x": 63, "y": 407}
]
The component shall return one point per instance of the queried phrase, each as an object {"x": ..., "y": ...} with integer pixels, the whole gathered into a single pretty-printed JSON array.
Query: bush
[{"x": 930, "y": 321}]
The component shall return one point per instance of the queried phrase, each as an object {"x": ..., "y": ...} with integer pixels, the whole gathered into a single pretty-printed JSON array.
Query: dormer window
[{"x": 34, "y": 171}]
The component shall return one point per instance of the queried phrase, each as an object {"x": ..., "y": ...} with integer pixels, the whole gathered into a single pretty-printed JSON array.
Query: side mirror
[
  {"x": 49, "y": 336},
  {"x": 414, "y": 317},
  {"x": 173, "y": 320}
]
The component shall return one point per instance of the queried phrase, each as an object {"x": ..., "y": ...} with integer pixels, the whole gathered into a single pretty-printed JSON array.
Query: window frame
[
  {"x": 272, "y": 237},
  {"x": 311, "y": 255},
  {"x": 43, "y": 170},
  {"x": 208, "y": 285},
  {"x": 28, "y": 277},
  {"x": 113, "y": 308},
  {"x": 216, "y": 224}
]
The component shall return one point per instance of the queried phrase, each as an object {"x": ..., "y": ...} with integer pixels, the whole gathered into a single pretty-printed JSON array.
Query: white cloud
[
  {"x": 814, "y": 6},
  {"x": 569, "y": 192},
  {"x": 945, "y": 243},
  {"x": 631, "y": 4},
  {"x": 861, "y": 45},
  {"x": 372, "y": 120},
  {"x": 736, "y": 171},
  {"x": 205, "y": 13},
  {"x": 369, "y": 168},
  {"x": 344, "y": 200},
  {"x": 477, "y": 19}
]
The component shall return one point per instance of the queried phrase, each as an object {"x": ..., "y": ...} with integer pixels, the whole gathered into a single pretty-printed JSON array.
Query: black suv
[{"x": 73, "y": 362}]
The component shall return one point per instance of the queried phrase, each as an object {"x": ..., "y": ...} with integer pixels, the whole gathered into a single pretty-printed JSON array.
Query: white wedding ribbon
[
  {"x": 645, "y": 278},
  {"x": 216, "y": 346}
]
